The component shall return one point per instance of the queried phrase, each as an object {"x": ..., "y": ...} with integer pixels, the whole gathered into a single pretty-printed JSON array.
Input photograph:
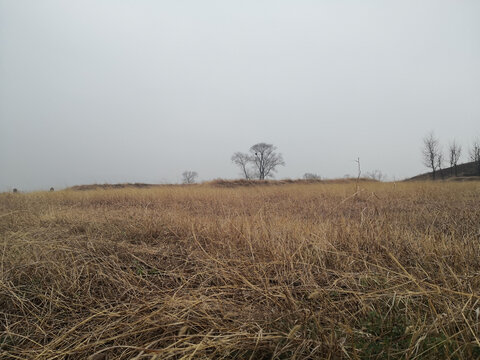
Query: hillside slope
[{"x": 466, "y": 171}]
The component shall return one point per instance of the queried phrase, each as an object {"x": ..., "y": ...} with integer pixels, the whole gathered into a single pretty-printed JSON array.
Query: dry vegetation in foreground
[{"x": 295, "y": 271}]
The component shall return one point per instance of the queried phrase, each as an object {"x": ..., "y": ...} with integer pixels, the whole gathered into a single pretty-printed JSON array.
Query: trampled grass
[{"x": 295, "y": 271}]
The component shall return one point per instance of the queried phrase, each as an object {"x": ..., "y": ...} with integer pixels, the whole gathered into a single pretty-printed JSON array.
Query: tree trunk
[{"x": 262, "y": 169}]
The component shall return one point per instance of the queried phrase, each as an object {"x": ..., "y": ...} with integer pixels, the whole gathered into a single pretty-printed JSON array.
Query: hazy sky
[{"x": 139, "y": 91}]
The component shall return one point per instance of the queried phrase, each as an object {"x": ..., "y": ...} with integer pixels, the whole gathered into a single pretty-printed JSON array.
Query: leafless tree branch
[
  {"x": 189, "y": 177},
  {"x": 454, "y": 151},
  {"x": 261, "y": 163},
  {"x": 475, "y": 153},
  {"x": 243, "y": 161},
  {"x": 431, "y": 152},
  {"x": 265, "y": 159}
]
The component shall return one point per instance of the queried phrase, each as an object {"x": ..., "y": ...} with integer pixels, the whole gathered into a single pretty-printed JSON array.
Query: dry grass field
[{"x": 293, "y": 271}]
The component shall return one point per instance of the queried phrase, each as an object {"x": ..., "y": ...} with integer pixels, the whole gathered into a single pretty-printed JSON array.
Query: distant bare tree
[
  {"x": 311, "y": 176},
  {"x": 242, "y": 161},
  {"x": 431, "y": 152},
  {"x": 440, "y": 162},
  {"x": 475, "y": 153},
  {"x": 454, "y": 152},
  {"x": 265, "y": 159},
  {"x": 376, "y": 175},
  {"x": 188, "y": 177},
  {"x": 261, "y": 163}
]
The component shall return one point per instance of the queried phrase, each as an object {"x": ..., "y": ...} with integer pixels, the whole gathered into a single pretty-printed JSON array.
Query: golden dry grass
[{"x": 295, "y": 271}]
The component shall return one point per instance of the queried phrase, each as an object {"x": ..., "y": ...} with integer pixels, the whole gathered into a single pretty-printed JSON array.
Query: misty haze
[
  {"x": 119, "y": 91},
  {"x": 269, "y": 179}
]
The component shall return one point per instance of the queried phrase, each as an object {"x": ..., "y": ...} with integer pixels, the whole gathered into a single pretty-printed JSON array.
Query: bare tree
[
  {"x": 261, "y": 163},
  {"x": 376, "y": 175},
  {"x": 189, "y": 177},
  {"x": 430, "y": 152},
  {"x": 311, "y": 176},
  {"x": 475, "y": 153},
  {"x": 242, "y": 161},
  {"x": 454, "y": 151},
  {"x": 440, "y": 163},
  {"x": 265, "y": 159}
]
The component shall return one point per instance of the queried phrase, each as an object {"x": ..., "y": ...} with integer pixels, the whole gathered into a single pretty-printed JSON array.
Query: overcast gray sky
[{"x": 139, "y": 91}]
